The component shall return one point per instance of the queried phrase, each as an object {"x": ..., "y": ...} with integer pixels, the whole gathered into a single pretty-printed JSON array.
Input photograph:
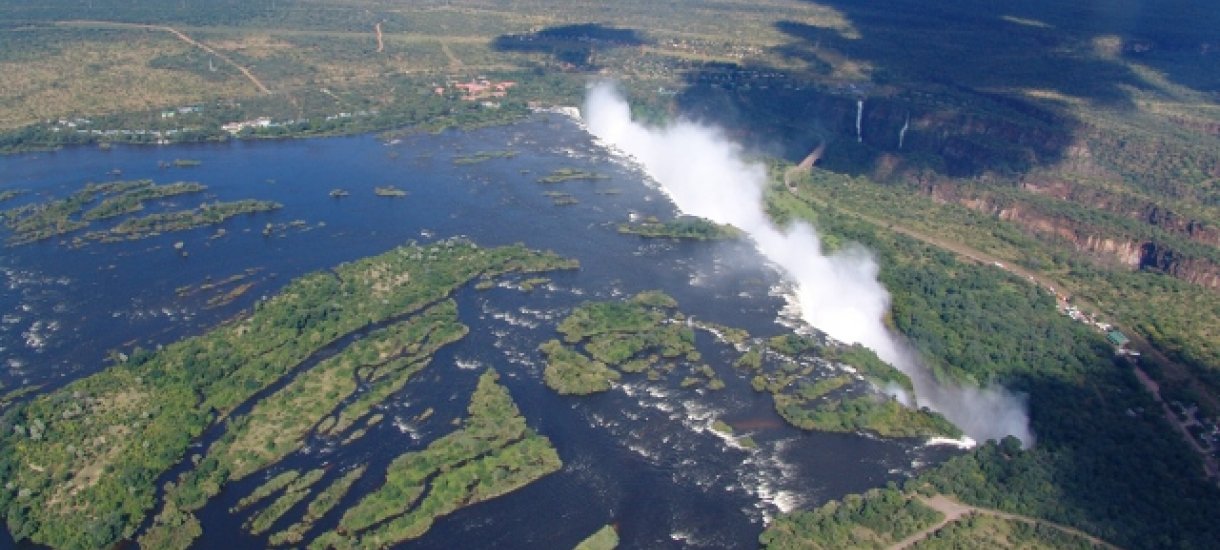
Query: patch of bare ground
[
  {"x": 101, "y": 77},
  {"x": 94, "y": 457}
]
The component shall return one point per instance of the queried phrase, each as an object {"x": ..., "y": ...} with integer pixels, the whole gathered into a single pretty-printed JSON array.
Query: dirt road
[
  {"x": 455, "y": 63},
  {"x": 177, "y": 34},
  {"x": 954, "y": 511}
]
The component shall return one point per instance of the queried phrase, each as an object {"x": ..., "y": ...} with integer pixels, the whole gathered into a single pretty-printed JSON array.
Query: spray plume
[{"x": 706, "y": 175}]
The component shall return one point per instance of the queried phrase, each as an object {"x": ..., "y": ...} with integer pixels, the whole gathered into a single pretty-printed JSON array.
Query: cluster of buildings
[
  {"x": 171, "y": 113},
  {"x": 235, "y": 127},
  {"x": 87, "y": 126},
  {"x": 71, "y": 123},
  {"x": 80, "y": 126},
  {"x": 344, "y": 115},
  {"x": 478, "y": 89},
  {"x": 266, "y": 122},
  {"x": 1113, "y": 335}
]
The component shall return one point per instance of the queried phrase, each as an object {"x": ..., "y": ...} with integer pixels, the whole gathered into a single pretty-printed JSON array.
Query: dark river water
[{"x": 641, "y": 456}]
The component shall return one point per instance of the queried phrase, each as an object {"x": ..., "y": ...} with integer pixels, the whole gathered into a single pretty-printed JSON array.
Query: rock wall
[
  {"x": 1194, "y": 270},
  {"x": 1129, "y": 206},
  {"x": 1112, "y": 250}
]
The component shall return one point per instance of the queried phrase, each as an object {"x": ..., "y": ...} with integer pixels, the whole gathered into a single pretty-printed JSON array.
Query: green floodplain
[{"x": 81, "y": 462}]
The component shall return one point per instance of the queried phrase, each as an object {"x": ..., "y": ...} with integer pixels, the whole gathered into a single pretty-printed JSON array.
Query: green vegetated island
[
  {"x": 79, "y": 465},
  {"x": 180, "y": 163},
  {"x": 222, "y": 292},
  {"x": 605, "y": 538},
  {"x": 559, "y": 198},
  {"x": 483, "y": 156},
  {"x": 561, "y": 175},
  {"x": 118, "y": 200},
  {"x": 684, "y": 227},
  {"x": 646, "y": 335},
  {"x": 493, "y": 453},
  {"x": 385, "y": 191},
  {"x": 786, "y": 369}
]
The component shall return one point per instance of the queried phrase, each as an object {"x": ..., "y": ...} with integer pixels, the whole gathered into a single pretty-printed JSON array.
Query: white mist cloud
[{"x": 705, "y": 174}]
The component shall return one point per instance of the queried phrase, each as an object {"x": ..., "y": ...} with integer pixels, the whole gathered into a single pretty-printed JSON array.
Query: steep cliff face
[
  {"x": 1129, "y": 206},
  {"x": 1194, "y": 270},
  {"x": 965, "y": 143},
  {"x": 986, "y": 139},
  {"x": 1116, "y": 250},
  {"x": 1014, "y": 142},
  {"x": 955, "y": 132},
  {"x": 953, "y": 140},
  {"x": 1195, "y": 230},
  {"x": 1112, "y": 250}
]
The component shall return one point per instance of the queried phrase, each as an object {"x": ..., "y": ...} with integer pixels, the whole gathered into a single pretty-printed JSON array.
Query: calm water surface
[{"x": 641, "y": 456}]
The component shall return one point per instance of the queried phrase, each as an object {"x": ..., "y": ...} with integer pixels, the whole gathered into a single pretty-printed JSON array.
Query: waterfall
[
  {"x": 706, "y": 174},
  {"x": 903, "y": 132},
  {"x": 859, "y": 119}
]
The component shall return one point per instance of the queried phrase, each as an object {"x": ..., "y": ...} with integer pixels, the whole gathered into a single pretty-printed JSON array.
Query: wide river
[{"x": 641, "y": 456}]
